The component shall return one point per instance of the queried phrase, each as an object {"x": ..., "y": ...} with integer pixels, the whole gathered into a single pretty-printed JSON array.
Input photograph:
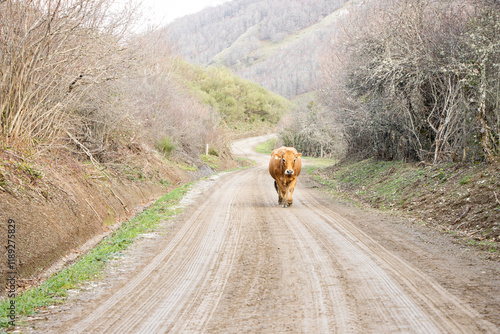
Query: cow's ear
[
  {"x": 298, "y": 155},
  {"x": 276, "y": 156}
]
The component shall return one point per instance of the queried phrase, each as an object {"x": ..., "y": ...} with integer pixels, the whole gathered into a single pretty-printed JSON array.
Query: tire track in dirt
[
  {"x": 298, "y": 292},
  {"x": 157, "y": 298},
  {"x": 329, "y": 300},
  {"x": 446, "y": 312},
  {"x": 376, "y": 296}
]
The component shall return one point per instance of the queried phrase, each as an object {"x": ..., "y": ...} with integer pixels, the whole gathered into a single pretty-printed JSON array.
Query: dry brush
[
  {"x": 418, "y": 80},
  {"x": 72, "y": 74}
]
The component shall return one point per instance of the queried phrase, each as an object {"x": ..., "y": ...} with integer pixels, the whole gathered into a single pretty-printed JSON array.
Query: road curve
[{"x": 240, "y": 263}]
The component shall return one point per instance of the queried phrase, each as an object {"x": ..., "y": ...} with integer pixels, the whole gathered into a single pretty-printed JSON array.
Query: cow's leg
[
  {"x": 285, "y": 199},
  {"x": 287, "y": 195},
  {"x": 290, "y": 189},
  {"x": 280, "y": 197},
  {"x": 281, "y": 191}
]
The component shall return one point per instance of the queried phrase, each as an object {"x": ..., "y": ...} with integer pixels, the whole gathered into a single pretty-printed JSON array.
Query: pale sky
[{"x": 162, "y": 12}]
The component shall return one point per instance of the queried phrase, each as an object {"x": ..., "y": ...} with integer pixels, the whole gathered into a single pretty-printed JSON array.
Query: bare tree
[
  {"x": 49, "y": 50},
  {"x": 312, "y": 131}
]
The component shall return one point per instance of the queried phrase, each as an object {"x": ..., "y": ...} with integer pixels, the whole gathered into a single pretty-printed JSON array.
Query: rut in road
[{"x": 241, "y": 263}]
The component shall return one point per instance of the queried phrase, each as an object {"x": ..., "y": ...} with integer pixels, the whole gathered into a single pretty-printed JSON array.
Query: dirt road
[{"x": 239, "y": 263}]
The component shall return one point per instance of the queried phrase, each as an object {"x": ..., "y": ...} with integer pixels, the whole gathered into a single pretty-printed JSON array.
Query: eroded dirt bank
[
  {"x": 457, "y": 198},
  {"x": 237, "y": 262},
  {"x": 59, "y": 203}
]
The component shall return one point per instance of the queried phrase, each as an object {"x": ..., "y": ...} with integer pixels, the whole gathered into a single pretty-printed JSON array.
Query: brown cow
[{"x": 284, "y": 167}]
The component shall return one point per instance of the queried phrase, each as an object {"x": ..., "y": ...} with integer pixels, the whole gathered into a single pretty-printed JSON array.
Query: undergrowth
[
  {"x": 268, "y": 146},
  {"x": 166, "y": 145},
  {"x": 211, "y": 160}
]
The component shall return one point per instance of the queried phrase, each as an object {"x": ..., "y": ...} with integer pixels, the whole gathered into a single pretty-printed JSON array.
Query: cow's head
[{"x": 288, "y": 159}]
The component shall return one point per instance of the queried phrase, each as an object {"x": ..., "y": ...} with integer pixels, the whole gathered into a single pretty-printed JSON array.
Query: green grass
[
  {"x": 375, "y": 181},
  {"x": 318, "y": 163},
  {"x": 244, "y": 162},
  {"x": 211, "y": 160},
  {"x": 166, "y": 145},
  {"x": 466, "y": 180},
  {"x": 89, "y": 267},
  {"x": 183, "y": 166},
  {"x": 485, "y": 245},
  {"x": 268, "y": 146}
]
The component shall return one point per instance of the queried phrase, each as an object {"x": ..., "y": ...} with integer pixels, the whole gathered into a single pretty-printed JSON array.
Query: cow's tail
[{"x": 276, "y": 186}]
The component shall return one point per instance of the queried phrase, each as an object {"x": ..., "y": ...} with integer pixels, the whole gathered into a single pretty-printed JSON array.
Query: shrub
[
  {"x": 166, "y": 145},
  {"x": 313, "y": 132},
  {"x": 213, "y": 151}
]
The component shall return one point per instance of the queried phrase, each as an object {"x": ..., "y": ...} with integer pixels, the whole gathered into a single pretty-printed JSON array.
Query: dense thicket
[
  {"x": 47, "y": 49},
  {"x": 69, "y": 76},
  {"x": 311, "y": 131},
  {"x": 418, "y": 80}
]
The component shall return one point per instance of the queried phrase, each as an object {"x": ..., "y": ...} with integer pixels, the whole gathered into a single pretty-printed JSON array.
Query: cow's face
[{"x": 288, "y": 159}]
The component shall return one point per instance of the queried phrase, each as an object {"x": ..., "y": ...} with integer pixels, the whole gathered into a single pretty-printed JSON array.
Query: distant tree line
[{"x": 418, "y": 80}]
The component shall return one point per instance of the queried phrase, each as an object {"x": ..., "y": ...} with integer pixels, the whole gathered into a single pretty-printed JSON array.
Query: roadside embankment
[
  {"x": 58, "y": 203},
  {"x": 461, "y": 200}
]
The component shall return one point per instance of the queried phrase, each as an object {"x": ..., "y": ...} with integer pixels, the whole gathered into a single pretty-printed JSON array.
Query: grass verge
[
  {"x": 314, "y": 163},
  {"x": 244, "y": 162},
  {"x": 54, "y": 290}
]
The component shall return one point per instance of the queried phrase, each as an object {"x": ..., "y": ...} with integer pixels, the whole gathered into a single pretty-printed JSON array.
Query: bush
[
  {"x": 213, "y": 151},
  {"x": 313, "y": 131},
  {"x": 166, "y": 145}
]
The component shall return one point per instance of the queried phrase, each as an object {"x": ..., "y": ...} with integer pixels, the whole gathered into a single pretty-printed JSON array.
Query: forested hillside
[
  {"x": 275, "y": 43},
  {"x": 241, "y": 104},
  {"x": 411, "y": 80}
]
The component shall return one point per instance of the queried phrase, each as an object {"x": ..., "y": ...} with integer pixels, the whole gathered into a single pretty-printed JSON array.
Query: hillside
[
  {"x": 462, "y": 202},
  {"x": 100, "y": 190},
  {"x": 244, "y": 107},
  {"x": 275, "y": 43}
]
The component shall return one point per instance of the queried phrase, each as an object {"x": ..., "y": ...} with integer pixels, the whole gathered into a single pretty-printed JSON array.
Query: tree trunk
[{"x": 486, "y": 136}]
